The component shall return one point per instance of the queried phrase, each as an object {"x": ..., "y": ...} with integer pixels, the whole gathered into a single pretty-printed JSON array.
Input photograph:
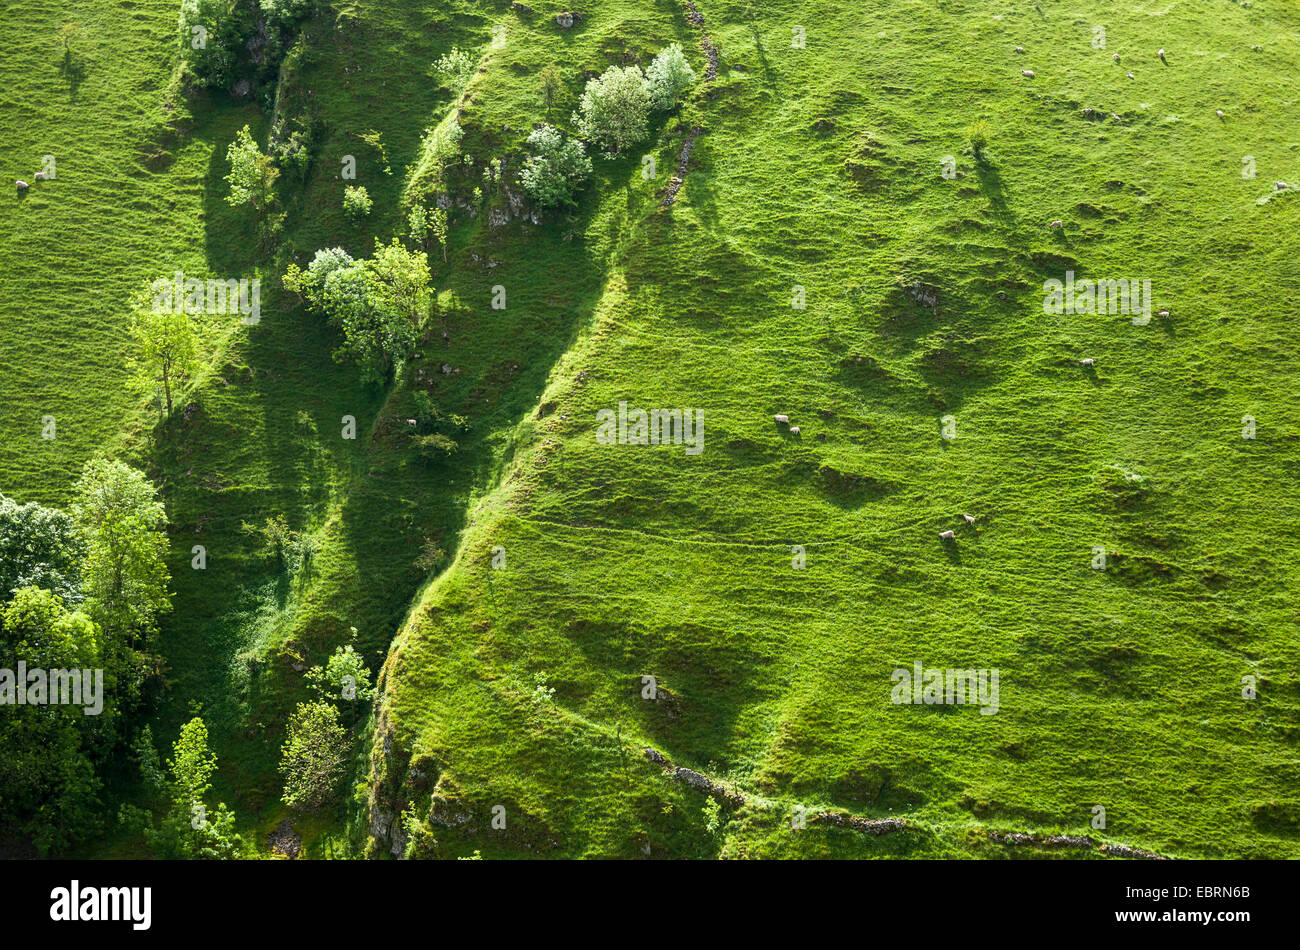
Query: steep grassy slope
[
  {"x": 819, "y": 167},
  {"x": 822, "y": 168}
]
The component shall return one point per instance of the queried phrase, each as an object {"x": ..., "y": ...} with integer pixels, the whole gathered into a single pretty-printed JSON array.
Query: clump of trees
[
  {"x": 615, "y": 108},
  {"x": 313, "y": 758},
  {"x": 379, "y": 303},
  {"x": 223, "y": 43},
  {"x": 79, "y": 590}
]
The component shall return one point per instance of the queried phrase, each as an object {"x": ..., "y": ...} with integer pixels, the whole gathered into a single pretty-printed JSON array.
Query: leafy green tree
[
  {"x": 190, "y": 829},
  {"x": 614, "y": 111},
  {"x": 312, "y": 758},
  {"x": 551, "y": 86},
  {"x": 669, "y": 76},
  {"x": 557, "y": 168},
  {"x": 126, "y": 574},
  {"x": 438, "y": 225},
  {"x": 49, "y": 793},
  {"x": 39, "y": 547},
  {"x": 167, "y": 349},
  {"x": 252, "y": 174},
  {"x": 39, "y": 629}
]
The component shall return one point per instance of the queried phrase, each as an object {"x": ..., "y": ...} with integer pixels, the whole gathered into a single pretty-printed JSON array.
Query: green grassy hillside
[{"x": 922, "y": 372}]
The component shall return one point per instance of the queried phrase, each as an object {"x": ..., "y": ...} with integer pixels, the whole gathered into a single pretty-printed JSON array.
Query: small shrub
[
  {"x": 557, "y": 169},
  {"x": 356, "y": 201}
]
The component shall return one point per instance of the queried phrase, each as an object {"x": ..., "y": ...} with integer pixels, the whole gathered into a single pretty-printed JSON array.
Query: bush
[
  {"x": 977, "y": 134},
  {"x": 252, "y": 174},
  {"x": 312, "y": 758},
  {"x": 669, "y": 76},
  {"x": 615, "y": 109},
  {"x": 344, "y": 677},
  {"x": 558, "y": 168},
  {"x": 356, "y": 201},
  {"x": 456, "y": 69}
]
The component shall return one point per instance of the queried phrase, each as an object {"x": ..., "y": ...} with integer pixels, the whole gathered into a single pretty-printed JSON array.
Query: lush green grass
[{"x": 1119, "y": 688}]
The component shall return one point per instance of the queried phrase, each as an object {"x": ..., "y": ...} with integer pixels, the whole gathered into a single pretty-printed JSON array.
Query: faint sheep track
[
  {"x": 881, "y": 826},
  {"x": 696, "y": 19}
]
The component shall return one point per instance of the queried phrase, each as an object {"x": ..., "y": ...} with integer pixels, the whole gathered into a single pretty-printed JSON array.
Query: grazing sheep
[
  {"x": 1056, "y": 225},
  {"x": 970, "y": 519},
  {"x": 795, "y": 430},
  {"x": 1131, "y": 76},
  {"x": 1115, "y": 56},
  {"x": 1161, "y": 54},
  {"x": 1219, "y": 113},
  {"x": 947, "y": 535},
  {"x": 1115, "y": 117},
  {"x": 1087, "y": 361},
  {"x": 39, "y": 176},
  {"x": 1277, "y": 185},
  {"x": 21, "y": 185},
  {"x": 1027, "y": 72},
  {"x": 410, "y": 422},
  {"x": 1162, "y": 313},
  {"x": 780, "y": 417},
  {"x": 1020, "y": 49}
]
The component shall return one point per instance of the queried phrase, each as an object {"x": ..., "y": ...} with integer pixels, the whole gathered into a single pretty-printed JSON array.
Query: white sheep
[
  {"x": 21, "y": 185},
  {"x": 1162, "y": 314},
  {"x": 1115, "y": 56},
  {"x": 780, "y": 417},
  {"x": 1131, "y": 76},
  {"x": 1056, "y": 225},
  {"x": 947, "y": 535},
  {"x": 1027, "y": 72},
  {"x": 1020, "y": 49},
  {"x": 1087, "y": 361},
  {"x": 39, "y": 176},
  {"x": 1219, "y": 113},
  {"x": 1161, "y": 54},
  {"x": 795, "y": 430},
  {"x": 970, "y": 519}
]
